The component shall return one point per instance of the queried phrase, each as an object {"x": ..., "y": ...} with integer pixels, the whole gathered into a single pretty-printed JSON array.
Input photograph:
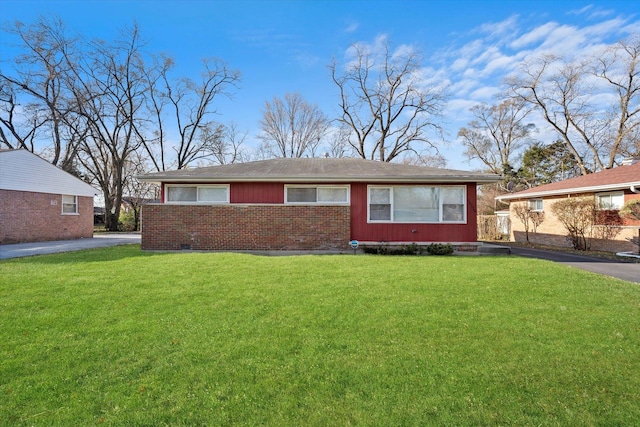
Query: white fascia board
[
  {"x": 594, "y": 189},
  {"x": 413, "y": 179}
]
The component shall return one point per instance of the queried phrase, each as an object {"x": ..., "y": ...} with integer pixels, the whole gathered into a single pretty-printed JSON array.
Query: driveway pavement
[
  {"x": 42, "y": 248},
  {"x": 622, "y": 270}
]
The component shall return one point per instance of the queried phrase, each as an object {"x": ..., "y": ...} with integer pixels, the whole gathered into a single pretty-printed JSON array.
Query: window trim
[
  {"x": 610, "y": 194},
  {"x": 342, "y": 187},
  {"x": 440, "y": 205},
  {"x": 536, "y": 209},
  {"x": 75, "y": 205},
  {"x": 197, "y": 187}
]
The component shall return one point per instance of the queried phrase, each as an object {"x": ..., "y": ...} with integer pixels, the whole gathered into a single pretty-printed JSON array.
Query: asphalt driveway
[
  {"x": 628, "y": 271},
  {"x": 42, "y": 248}
]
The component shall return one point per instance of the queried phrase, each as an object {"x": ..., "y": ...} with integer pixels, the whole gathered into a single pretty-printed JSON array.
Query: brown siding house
[{"x": 610, "y": 189}]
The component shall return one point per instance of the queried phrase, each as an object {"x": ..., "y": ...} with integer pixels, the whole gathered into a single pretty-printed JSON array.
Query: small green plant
[
  {"x": 375, "y": 250},
  {"x": 411, "y": 249},
  {"x": 439, "y": 249}
]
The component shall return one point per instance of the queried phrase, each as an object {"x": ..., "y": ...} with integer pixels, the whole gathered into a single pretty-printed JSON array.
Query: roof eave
[
  {"x": 309, "y": 179},
  {"x": 592, "y": 189}
]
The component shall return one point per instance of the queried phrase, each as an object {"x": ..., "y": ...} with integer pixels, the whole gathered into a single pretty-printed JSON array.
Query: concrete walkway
[
  {"x": 622, "y": 270},
  {"x": 42, "y": 248}
]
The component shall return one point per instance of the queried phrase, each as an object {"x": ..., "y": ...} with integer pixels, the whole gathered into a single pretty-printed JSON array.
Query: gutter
[
  {"x": 309, "y": 180},
  {"x": 633, "y": 186}
]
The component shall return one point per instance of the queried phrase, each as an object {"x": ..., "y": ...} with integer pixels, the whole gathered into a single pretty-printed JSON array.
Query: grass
[{"x": 122, "y": 337}]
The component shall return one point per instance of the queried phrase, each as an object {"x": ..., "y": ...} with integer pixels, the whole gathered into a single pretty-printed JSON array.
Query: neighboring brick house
[
  {"x": 40, "y": 202},
  {"x": 310, "y": 204},
  {"x": 611, "y": 188}
]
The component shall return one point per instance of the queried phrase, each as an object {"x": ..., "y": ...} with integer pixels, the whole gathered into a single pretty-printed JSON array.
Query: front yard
[{"x": 122, "y": 337}]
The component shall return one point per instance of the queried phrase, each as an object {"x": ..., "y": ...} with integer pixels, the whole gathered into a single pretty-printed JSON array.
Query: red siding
[
  {"x": 362, "y": 231},
  {"x": 262, "y": 193},
  {"x": 257, "y": 192}
]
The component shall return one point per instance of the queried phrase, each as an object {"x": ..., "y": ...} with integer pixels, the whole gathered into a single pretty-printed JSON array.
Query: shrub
[
  {"x": 528, "y": 217},
  {"x": 577, "y": 214},
  {"x": 411, "y": 249},
  {"x": 439, "y": 249},
  {"x": 127, "y": 222},
  {"x": 631, "y": 209}
]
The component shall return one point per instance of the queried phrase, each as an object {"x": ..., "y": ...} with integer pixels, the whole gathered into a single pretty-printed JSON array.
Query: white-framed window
[
  {"x": 69, "y": 204},
  {"x": 610, "y": 201},
  {"x": 535, "y": 205},
  {"x": 417, "y": 203},
  {"x": 196, "y": 193},
  {"x": 316, "y": 194}
]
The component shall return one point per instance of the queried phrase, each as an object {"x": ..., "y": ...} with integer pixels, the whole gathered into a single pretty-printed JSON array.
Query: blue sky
[{"x": 285, "y": 46}]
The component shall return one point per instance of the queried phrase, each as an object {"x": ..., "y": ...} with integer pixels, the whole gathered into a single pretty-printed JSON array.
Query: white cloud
[
  {"x": 463, "y": 87},
  {"x": 476, "y": 67},
  {"x": 460, "y": 106},
  {"x": 352, "y": 27},
  {"x": 591, "y": 12},
  {"x": 502, "y": 28},
  {"x": 459, "y": 64},
  {"x": 485, "y": 94},
  {"x": 306, "y": 59},
  {"x": 534, "y": 35},
  {"x": 581, "y": 11}
]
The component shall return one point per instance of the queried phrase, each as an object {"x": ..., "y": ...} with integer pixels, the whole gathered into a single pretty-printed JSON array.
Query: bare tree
[
  {"x": 430, "y": 160},
  {"x": 190, "y": 106},
  {"x": 386, "y": 102},
  {"x": 619, "y": 67},
  {"x": 137, "y": 193},
  {"x": 530, "y": 219},
  {"x": 34, "y": 97},
  {"x": 292, "y": 127},
  {"x": 571, "y": 97},
  {"x": 92, "y": 105},
  {"x": 108, "y": 104},
  {"x": 226, "y": 146},
  {"x": 497, "y": 133}
]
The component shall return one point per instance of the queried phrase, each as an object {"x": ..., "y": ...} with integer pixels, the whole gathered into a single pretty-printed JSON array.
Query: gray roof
[{"x": 324, "y": 170}]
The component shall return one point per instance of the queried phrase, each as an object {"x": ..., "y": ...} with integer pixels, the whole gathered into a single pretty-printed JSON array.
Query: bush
[
  {"x": 412, "y": 249},
  {"x": 631, "y": 209},
  {"x": 127, "y": 222},
  {"x": 578, "y": 215},
  {"x": 439, "y": 249}
]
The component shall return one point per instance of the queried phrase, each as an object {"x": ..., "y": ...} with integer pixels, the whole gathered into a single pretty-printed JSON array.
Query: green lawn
[{"x": 122, "y": 337}]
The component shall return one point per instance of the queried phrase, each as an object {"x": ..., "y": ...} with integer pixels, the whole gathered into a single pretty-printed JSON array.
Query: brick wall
[
  {"x": 35, "y": 217},
  {"x": 244, "y": 227},
  {"x": 552, "y": 233}
]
